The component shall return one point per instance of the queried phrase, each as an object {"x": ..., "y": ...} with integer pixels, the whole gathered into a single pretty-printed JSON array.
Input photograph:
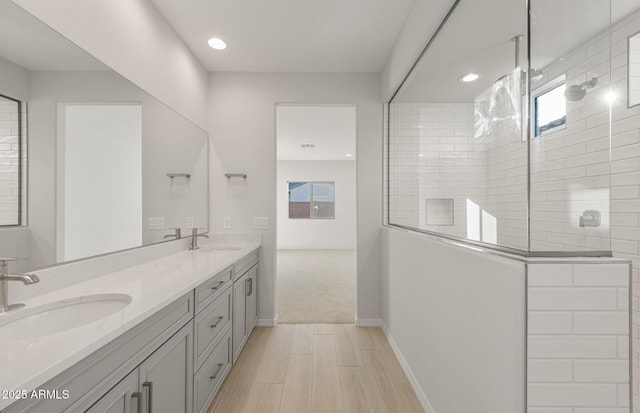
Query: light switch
[
  {"x": 260, "y": 223},
  {"x": 155, "y": 223},
  {"x": 226, "y": 222}
]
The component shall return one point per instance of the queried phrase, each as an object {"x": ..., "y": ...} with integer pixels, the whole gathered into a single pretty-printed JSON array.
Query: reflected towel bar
[
  {"x": 179, "y": 175},
  {"x": 229, "y": 176}
]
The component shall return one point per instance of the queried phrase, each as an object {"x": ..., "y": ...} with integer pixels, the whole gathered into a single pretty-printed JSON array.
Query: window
[
  {"x": 311, "y": 200},
  {"x": 550, "y": 109}
]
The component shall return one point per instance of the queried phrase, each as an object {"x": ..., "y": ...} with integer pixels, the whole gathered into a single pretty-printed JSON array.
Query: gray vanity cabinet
[
  {"x": 124, "y": 398},
  {"x": 166, "y": 376},
  {"x": 245, "y": 304},
  {"x": 162, "y": 383}
]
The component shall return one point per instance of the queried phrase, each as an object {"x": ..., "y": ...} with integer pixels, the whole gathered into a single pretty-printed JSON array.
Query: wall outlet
[
  {"x": 155, "y": 223},
  {"x": 190, "y": 222},
  {"x": 260, "y": 223},
  {"x": 226, "y": 222}
]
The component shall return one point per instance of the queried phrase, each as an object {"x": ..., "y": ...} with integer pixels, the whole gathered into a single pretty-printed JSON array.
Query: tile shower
[{"x": 530, "y": 193}]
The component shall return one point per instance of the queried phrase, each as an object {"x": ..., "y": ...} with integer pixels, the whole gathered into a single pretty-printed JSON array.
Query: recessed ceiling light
[
  {"x": 348, "y": 155},
  {"x": 469, "y": 77},
  {"x": 217, "y": 44}
]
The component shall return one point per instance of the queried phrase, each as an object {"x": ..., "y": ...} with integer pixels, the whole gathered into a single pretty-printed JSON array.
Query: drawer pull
[
  {"x": 137, "y": 395},
  {"x": 217, "y": 286},
  {"x": 215, "y": 375},
  {"x": 149, "y": 386},
  {"x": 217, "y": 322}
]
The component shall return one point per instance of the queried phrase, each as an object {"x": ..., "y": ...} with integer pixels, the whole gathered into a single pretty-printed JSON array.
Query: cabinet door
[
  {"x": 251, "y": 300},
  {"x": 239, "y": 312},
  {"x": 124, "y": 398},
  {"x": 166, "y": 377}
]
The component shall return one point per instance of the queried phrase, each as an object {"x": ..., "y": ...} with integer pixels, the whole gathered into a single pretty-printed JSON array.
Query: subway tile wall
[
  {"x": 433, "y": 155},
  {"x": 578, "y": 337},
  {"x": 9, "y": 164}
]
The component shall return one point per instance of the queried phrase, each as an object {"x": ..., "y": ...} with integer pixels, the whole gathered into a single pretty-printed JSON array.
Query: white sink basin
[{"x": 60, "y": 316}]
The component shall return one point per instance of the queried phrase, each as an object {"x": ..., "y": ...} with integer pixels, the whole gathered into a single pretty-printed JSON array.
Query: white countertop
[{"x": 29, "y": 363}]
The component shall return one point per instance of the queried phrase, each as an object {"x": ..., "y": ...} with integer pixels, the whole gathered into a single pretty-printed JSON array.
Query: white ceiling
[
  {"x": 332, "y": 129},
  {"x": 27, "y": 42},
  {"x": 289, "y": 35}
]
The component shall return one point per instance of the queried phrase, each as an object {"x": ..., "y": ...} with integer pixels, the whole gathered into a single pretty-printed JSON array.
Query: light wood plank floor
[{"x": 301, "y": 368}]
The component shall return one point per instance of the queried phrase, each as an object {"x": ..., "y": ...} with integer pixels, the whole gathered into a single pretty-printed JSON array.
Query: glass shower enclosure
[{"x": 500, "y": 135}]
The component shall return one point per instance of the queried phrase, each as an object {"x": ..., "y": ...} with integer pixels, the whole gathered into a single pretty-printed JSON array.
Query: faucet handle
[{"x": 4, "y": 264}]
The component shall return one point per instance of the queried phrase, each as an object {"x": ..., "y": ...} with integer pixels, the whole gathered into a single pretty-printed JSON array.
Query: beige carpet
[{"x": 316, "y": 286}]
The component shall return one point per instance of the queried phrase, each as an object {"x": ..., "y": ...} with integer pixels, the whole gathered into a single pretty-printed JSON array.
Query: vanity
[{"x": 179, "y": 323}]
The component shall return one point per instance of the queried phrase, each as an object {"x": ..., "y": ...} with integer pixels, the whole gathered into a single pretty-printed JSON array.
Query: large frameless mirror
[{"x": 109, "y": 167}]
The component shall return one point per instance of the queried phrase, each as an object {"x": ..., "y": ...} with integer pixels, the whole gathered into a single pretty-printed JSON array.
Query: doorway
[{"x": 316, "y": 213}]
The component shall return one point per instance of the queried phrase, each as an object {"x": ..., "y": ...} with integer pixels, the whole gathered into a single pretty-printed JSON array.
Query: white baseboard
[
  {"x": 369, "y": 322},
  {"x": 268, "y": 322},
  {"x": 424, "y": 401}
]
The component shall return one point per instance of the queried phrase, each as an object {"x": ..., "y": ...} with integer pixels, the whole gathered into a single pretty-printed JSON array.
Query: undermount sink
[{"x": 60, "y": 315}]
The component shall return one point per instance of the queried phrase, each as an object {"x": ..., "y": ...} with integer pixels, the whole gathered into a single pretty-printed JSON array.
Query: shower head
[{"x": 575, "y": 93}]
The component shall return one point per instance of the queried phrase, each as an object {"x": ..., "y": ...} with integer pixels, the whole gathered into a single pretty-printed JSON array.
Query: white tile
[
  {"x": 545, "y": 371},
  {"x": 601, "y": 371},
  {"x": 615, "y": 322},
  {"x": 572, "y": 347},
  {"x": 623, "y": 299},
  {"x": 623, "y": 395},
  {"x": 601, "y": 275},
  {"x": 623, "y": 347},
  {"x": 601, "y": 410},
  {"x": 550, "y": 274},
  {"x": 573, "y": 298},
  {"x": 583, "y": 395},
  {"x": 549, "y": 410},
  {"x": 550, "y": 322}
]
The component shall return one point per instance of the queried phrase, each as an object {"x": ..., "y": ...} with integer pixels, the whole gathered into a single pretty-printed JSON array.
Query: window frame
[
  {"x": 21, "y": 167},
  {"x": 311, "y": 200},
  {"x": 541, "y": 91}
]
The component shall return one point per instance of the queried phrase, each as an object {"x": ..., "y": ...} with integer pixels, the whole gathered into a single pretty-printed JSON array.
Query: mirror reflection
[
  {"x": 99, "y": 153},
  {"x": 634, "y": 69},
  {"x": 12, "y": 152}
]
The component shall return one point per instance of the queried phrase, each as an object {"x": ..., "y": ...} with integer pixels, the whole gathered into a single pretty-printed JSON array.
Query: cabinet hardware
[
  {"x": 217, "y": 286},
  {"x": 215, "y": 375},
  {"x": 217, "y": 322},
  {"x": 250, "y": 286},
  {"x": 246, "y": 286},
  {"x": 149, "y": 386},
  {"x": 137, "y": 395}
]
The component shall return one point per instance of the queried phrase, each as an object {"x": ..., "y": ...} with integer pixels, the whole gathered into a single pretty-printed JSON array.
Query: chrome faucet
[
  {"x": 5, "y": 277},
  {"x": 194, "y": 238},
  {"x": 176, "y": 235}
]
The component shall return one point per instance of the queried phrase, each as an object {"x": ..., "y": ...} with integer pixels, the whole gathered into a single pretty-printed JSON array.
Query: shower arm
[{"x": 516, "y": 39}]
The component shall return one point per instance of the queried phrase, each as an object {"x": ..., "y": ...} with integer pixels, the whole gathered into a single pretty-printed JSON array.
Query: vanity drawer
[
  {"x": 209, "y": 378},
  {"x": 207, "y": 292},
  {"x": 211, "y": 323},
  {"x": 240, "y": 267}
]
